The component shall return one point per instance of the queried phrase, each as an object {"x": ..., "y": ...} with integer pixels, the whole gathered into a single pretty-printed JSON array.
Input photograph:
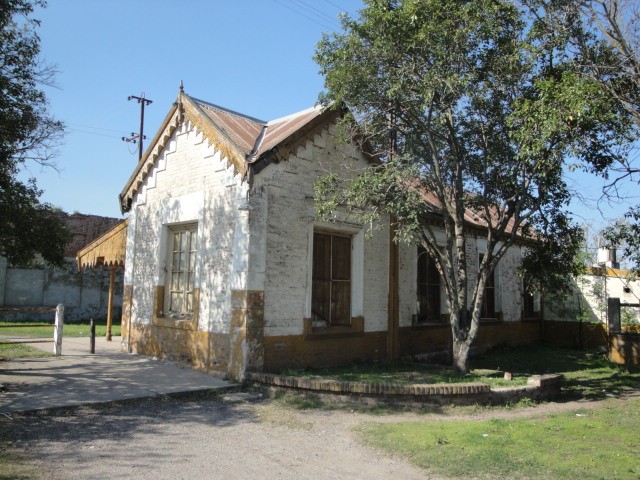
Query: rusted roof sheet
[
  {"x": 241, "y": 129},
  {"x": 255, "y": 137},
  {"x": 473, "y": 218},
  {"x": 279, "y": 130},
  {"x": 108, "y": 249}
]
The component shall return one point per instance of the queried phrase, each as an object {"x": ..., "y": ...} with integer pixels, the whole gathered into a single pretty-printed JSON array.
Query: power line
[
  {"x": 78, "y": 130},
  {"x": 322, "y": 24},
  {"x": 76, "y": 126},
  {"x": 319, "y": 13},
  {"x": 336, "y": 5}
]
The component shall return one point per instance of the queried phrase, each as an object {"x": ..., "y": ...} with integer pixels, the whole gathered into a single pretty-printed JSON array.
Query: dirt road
[
  {"x": 203, "y": 439},
  {"x": 231, "y": 437}
]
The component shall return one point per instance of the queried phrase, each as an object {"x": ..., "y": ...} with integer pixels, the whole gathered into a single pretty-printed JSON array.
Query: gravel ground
[
  {"x": 197, "y": 439},
  {"x": 236, "y": 436}
]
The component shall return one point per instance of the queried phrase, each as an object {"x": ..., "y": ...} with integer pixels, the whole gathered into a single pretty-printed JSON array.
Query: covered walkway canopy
[{"x": 107, "y": 250}]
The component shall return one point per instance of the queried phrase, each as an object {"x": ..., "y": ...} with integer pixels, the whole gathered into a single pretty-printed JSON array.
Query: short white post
[{"x": 57, "y": 333}]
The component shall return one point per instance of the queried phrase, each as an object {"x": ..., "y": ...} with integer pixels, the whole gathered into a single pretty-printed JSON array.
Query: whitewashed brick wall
[
  {"x": 261, "y": 241},
  {"x": 508, "y": 283},
  {"x": 189, "y": 183},
  {"x": 283, "y": 194}
]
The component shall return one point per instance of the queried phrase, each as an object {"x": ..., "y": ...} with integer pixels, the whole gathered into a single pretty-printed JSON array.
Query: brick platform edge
[{"x": 539, "y": 387}]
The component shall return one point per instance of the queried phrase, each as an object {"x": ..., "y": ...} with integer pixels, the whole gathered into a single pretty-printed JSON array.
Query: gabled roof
[
  {"x": 242, "y": 140},
  {"x": 252, "y": 136}
]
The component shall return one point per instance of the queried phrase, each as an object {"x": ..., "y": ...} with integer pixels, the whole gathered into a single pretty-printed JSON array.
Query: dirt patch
[{"x": 206, "y": 438}]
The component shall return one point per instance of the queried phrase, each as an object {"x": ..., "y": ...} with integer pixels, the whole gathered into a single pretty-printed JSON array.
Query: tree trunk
[{"x": 461, "y": 350}]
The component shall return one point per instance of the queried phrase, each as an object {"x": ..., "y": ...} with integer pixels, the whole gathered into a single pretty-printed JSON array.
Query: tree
[
  {"x": 469, "y": 116},
  {"x": 27, "y": 134},
  {"x": 601, "y": 40}
]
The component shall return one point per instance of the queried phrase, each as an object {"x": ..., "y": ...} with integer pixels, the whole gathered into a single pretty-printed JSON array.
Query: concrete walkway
[{"x": 78, "y": 378}]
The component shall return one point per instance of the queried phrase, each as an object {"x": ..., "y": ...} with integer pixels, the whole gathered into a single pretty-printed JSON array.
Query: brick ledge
[{"x": 539, "y": 387}]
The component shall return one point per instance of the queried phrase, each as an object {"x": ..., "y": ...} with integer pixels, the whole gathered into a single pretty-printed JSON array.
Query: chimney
[{"x": 607, "y": 257}]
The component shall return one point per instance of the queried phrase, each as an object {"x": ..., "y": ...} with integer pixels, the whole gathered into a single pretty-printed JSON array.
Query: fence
[
  {"x": 57, "y": 325},
  {"x": 85, "y": 293}
]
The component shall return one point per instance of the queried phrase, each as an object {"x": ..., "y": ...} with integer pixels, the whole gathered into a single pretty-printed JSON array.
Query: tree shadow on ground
[{"x": 122, "y": 420}]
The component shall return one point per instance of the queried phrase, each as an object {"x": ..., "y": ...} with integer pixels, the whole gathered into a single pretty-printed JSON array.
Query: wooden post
[
  {"x": 110, "y": 301},
  {"x": 57, "y": 332},
  {"x": 92, "y": 336}
]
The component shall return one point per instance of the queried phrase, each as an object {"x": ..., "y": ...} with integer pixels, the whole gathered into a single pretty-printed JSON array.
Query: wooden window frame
[
  {"x": 429, "y": 284},
  {"x": 333, "y": 281},
  {"x": 165, "y": 295},
  {"x": 489, "y": 289}
]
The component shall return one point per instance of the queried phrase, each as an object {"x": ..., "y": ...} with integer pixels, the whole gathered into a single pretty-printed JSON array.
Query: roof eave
[
  {"x": 126, "y": 195},
  {"x": 288, "y": 145},
  {"x": 183, "y": 107}
]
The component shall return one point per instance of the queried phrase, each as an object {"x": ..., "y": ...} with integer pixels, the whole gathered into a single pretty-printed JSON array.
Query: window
[
  {"x": 181, "y": 262},
  {"x": 428, "y": 288},
  {"x": 489, "y": 303},
  {"x": 331, "y": 279},
  {"x": 528, "y": 302}
]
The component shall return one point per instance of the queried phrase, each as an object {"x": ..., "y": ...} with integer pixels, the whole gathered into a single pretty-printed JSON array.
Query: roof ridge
[
  {"x": 229, "y": 111},
  {"x": 293, "y": 115}
]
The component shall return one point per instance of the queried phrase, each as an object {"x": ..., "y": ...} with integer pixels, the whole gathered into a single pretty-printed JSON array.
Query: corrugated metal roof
[
  {"x": 254, "y": 136},
  {"x": 282, "y": 128},
  {"x": 108, "y": 249},
  {"x": 241, "y": 129},
  {"x": 474, "y": 218}
]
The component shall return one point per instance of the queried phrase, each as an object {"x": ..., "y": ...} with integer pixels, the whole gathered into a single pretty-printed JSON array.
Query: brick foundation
[
  {"x": 322, "y": 350},
  {"x": 246, "y": 334},
  {"x": 327, "y": 350},
  {"x": 434, "y": 341},
  {"x": 200, "y": 350}
]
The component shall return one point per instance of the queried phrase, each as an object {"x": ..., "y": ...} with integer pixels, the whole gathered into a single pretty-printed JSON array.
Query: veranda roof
[{"x": 108, "y": 249}]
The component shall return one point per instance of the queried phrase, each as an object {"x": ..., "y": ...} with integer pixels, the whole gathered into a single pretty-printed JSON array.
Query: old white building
[{"x": 228, "y": 268}]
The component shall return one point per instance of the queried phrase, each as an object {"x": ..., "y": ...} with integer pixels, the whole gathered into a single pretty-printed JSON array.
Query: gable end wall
[{"x": 189, "y": 183}]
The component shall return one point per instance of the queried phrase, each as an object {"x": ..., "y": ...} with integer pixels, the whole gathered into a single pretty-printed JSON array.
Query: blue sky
[{"x": 253, "y": 56}]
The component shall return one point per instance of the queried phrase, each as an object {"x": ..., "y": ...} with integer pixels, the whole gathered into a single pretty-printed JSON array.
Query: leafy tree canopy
[
  {"x": 472, "y": 117},
  {"x": 27, "y": 133},
  {"x": 600, "y": 40}
]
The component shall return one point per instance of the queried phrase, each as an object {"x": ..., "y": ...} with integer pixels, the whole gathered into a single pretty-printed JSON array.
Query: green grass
[
  {"x": 406, "y": 373},
  {"x": 70, "y": 329},
  {"x": 585, "y": 444},
  {"x": 13, "y": 466},
  {"x": 14, "y": 351},
  {"x": 588, "y": 374}
]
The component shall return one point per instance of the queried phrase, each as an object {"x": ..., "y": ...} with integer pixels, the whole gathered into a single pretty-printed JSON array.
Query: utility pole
[{"x": 139, "y": 137}]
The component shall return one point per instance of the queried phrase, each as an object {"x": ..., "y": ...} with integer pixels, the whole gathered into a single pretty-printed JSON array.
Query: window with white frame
[
  {"x": 181, "y": 263},
  {"x": 331, "y": 279}
]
